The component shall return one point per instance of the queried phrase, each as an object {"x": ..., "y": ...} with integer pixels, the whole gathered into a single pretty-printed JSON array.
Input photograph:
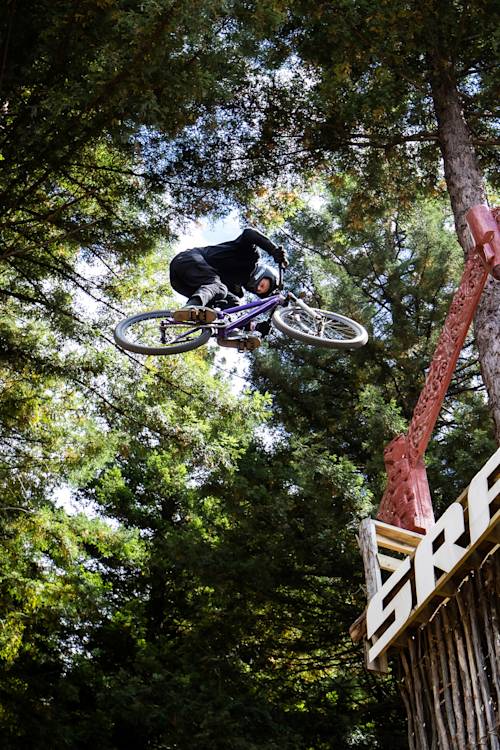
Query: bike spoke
[{"x": 165, "y": 332}]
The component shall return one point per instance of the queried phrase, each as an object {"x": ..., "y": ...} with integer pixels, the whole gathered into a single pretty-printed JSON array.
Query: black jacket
[{"x": 235, "y": 260}]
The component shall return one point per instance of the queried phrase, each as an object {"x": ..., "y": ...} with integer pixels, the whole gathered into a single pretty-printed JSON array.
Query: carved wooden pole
[
  {"x": 407, "y": 501},
  {"x": 439, "y": 607}
]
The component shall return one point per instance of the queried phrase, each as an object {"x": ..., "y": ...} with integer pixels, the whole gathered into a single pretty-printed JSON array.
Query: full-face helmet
[{"x": 262, "y": 271}]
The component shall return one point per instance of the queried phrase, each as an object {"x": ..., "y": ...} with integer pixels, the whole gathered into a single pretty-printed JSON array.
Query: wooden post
[{"x": 367, "y": 541}]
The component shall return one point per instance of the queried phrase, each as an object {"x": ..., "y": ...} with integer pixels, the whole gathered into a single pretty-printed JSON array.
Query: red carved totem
[{"x": 407, "y": 500}]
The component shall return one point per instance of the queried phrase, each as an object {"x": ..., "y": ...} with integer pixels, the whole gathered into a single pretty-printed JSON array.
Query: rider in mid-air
[{"x": 213, "y": 276}]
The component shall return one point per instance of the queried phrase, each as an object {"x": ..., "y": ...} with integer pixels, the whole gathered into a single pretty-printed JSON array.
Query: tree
[
  {"x": 93, "y": 607},
  {"x": 93, "y": 98},
  {"x": 214, "y": 610},
  {"x": 210, "y": 598},
  {"x": 397, "y": 275},
  {"x": 418, "y": 74},
  {"x": 392, "y": 94}
]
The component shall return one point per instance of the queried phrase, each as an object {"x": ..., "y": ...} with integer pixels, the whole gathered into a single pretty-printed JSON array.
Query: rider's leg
[
  {"x": 230, "y": 300},
  {"x": 191, "y": 275}
]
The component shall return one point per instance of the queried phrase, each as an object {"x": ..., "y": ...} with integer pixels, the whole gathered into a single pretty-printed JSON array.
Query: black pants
[{"x": 191, "y": 275}]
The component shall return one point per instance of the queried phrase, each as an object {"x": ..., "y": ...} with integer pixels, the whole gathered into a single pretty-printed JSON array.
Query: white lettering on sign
[
  {"x": 452, "y": 538},
  {"x": 438, "y": 550},
  {"x": 481, "y": 497},
  {"x": 383, "y": 608}
]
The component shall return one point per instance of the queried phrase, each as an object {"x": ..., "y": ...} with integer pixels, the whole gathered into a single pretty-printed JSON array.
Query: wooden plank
[
  {"x": 446, "y": 590},
  {"x": 494, "y": 535},
  {"x": 395, "y": 545},
  {"x": 357, "y": 631},
  {"x": 368, "y": 546},
  {"x": 395, "y": 532},
  {"x": 387, "y": 562}
]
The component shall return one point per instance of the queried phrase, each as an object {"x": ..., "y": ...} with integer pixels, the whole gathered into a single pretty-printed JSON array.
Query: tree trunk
[{"x": 466, "y": 189}]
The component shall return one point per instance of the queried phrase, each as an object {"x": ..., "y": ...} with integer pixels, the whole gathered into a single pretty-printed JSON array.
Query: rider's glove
[{"x": 280, "y": 256}]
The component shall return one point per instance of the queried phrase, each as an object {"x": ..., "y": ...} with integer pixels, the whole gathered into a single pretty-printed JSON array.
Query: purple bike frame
[{"x": 256, "y": 308}]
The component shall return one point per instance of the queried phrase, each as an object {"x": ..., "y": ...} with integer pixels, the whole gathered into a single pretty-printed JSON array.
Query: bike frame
[
  {"x": 254, "y": 308},
  {"x": 257, "y": 307}
]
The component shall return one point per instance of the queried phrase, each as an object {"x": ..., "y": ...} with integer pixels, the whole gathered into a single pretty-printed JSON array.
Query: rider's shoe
[
  {"x": 243, "y": 342},
  {"x": 194, "y": 314}
]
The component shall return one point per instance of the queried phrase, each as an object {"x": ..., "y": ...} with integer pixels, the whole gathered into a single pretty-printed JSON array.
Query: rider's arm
[{"x": 254, "y": 237}]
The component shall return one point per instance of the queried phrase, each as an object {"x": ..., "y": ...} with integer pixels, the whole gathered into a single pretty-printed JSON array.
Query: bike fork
[
  {"x": 300, "y": 303},
  {"x": 310, "y": 311}
]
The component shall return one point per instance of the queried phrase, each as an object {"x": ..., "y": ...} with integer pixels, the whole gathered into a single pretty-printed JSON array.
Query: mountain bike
[{"x": 156, "y": 332}]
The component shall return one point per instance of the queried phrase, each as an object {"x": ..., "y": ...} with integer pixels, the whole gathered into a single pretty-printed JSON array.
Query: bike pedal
[
  {"x": 245, "y": 343},
  {"x": 252, "y": 342},
  {"x": 193, "y": 314}
]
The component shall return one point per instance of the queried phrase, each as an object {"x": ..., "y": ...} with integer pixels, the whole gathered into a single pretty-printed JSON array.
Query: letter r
[{"x": 451, "y": 525}]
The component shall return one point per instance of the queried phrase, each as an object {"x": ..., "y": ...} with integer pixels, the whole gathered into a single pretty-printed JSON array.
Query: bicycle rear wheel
[
  {"x": 156, "y": 332},
  {"x": 323, "y": 328}
]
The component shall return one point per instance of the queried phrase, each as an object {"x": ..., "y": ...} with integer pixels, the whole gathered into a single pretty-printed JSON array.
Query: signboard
[{"x": 440, "y": 553}]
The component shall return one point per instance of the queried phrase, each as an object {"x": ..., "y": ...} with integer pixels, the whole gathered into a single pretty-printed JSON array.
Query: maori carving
[
  {"x": 407, "y": 501},
  {"x": 445, "y": 357},
  {"x": 484, "y": 226}
]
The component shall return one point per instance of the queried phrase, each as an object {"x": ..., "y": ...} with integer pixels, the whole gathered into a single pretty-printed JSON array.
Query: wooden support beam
[
  {"x": 396, "y": 539},
  {"x": 446, "y": 590},
  {"x": 394, "y": 532},
  {"x": 494, "y": 535},
  {"x": 368, "y": 545},
  {"x": 357, "y": 631},
  {"x": 395, "y": 545},
  {"x": 387, "y": 562}
]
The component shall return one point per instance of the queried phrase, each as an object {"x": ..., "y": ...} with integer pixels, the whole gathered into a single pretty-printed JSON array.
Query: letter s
[{"x": 380, "y": 610}]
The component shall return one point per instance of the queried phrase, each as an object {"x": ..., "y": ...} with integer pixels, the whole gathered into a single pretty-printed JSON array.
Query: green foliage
[
  {"x": 201, "y": 593},
  {"x": 352, "y": 88},
  {"x": 397, "y": 275},
  {"x": 207, "y": 601}
]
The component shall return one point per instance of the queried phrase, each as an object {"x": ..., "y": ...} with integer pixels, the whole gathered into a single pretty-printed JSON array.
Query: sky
[{"x": 204, "y": 232}]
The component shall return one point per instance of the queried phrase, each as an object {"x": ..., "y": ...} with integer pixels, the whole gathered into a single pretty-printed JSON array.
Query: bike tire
[
  {"x": 128, "y": 335},
  {"x": 332, "y": 330}
]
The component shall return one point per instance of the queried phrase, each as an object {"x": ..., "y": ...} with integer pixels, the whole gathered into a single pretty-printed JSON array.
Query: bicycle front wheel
[
  {"x": 320, "y": 327},
  {"x": 156, "y": 332}
]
